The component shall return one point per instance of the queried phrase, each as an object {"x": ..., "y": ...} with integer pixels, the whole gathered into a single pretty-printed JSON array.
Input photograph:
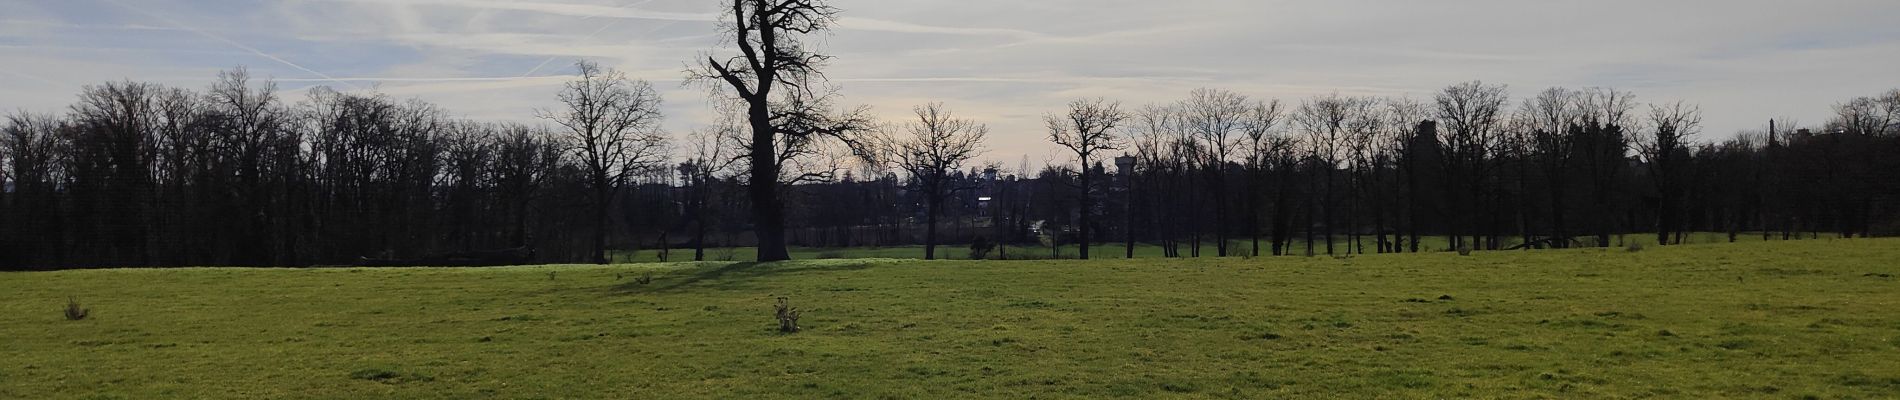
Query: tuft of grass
[
  {"x": 74, "y": 312},
  {"x": 787, "y": 315}
]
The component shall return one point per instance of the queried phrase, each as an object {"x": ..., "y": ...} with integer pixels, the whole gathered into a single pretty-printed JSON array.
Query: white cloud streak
[{"x": 233, "y": 43}]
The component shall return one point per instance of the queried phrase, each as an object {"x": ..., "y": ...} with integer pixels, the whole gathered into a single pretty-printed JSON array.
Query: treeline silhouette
[{"x": 143, "y": 175}]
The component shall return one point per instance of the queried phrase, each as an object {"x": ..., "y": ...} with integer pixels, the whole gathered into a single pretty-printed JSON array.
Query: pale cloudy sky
[{"x": 1002, "y": 62}]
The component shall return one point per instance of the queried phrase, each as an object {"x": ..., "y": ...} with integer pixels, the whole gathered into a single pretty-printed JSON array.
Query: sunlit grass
[{"x": 1752, "y": 320}]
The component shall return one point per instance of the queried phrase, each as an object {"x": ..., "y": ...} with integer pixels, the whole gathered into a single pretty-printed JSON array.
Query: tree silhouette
[
  {"x": 932, "y": 148},
  {"x": 613, "y": 129},
  {"x": 1086, "y": 130}
]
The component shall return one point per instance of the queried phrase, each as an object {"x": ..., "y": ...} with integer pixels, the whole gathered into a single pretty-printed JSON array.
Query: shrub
[
  {"x": 787, "y": 316},
  {"x": 74, "y": 312},
  {"x": 980, "y": 249}
]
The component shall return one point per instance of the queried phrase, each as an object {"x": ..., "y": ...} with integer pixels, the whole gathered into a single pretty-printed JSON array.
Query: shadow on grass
[{"x": 739, "y": 275}]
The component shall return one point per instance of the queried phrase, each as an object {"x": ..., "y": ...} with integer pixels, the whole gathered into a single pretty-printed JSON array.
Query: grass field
[{"x": 1779, "y": 320}]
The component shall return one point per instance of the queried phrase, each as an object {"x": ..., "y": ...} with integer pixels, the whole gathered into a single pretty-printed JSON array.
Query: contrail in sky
[
  {"x": 34, "y": 78},
  {"x": 603, "y": 28},
  {"x": 253, "y": 50}
]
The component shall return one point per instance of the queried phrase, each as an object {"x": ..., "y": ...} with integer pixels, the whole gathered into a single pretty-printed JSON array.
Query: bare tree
[
  {"x": 1323, "y": 120},
  {"x": 1608, "y": 106},
  {"x": 1261, "y": 122},
  {"x": 776, "y": 79},
  {"x": 525, "y": 161},
  {"x": 1086, "y": 130},
  {"x": 35, "y": 148},
  {"x": 708, "y": 161},
  {"x": 1471, "y": 117},
  {"x": 1415, "y": 159},
  {"x": 1162, "y": 154},
  {"x": 613, "y": 128},
  {"x": 932, "y": 147},
  {"x": 1218, "y": 119},
  {"x": 1667, "y": 149},
  {"x": 1364, "y": 129},
  {"x": 1545, "y": 121}
]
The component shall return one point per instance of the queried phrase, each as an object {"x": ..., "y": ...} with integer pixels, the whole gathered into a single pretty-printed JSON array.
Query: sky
[{"x": 1005, "y": 63}]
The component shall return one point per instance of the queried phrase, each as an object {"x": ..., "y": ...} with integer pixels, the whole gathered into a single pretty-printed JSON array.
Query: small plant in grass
[
  {"x": 787, "y": 316},
  {"x": 644, "y": 278},
  {"x": 74, "y": 312},
  {"x": 550, "y": 275}
]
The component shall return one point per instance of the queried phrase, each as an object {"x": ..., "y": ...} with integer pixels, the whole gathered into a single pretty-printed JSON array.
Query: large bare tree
[
  {"x": 1086, "y": 130},
  {"x": 930, "y": 149},
  {"x": 612, "y": 125},
  {"x": 777, "y": 83}
]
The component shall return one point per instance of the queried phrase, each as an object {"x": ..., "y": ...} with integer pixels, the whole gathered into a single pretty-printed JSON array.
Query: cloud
[{"x": 1004, "y": 62}]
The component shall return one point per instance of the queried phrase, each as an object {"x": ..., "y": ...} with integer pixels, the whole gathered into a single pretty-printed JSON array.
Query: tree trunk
[
  {"x": 601, "y": 195},
  {"x": 935, "y": 203},
  {"x": 1082, "y": 232},
  {"x": 768, "y": 211},
  {"x": 699, "y": 237}
]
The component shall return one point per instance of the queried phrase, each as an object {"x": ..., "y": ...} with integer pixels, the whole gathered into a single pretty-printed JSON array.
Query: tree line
[{"x": 140, "y": 174}]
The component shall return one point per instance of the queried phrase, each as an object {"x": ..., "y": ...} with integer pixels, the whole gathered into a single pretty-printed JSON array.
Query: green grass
[{"x": 1757, "y": 320}]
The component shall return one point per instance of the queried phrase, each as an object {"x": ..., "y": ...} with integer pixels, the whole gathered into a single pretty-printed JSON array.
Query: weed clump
[
  {"x": 74, "y": 312},
  {"x": 787, "y": 316}
]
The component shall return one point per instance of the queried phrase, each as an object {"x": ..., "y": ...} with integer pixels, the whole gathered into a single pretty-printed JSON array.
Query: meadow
[{"x": 1777, "y": 320}]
